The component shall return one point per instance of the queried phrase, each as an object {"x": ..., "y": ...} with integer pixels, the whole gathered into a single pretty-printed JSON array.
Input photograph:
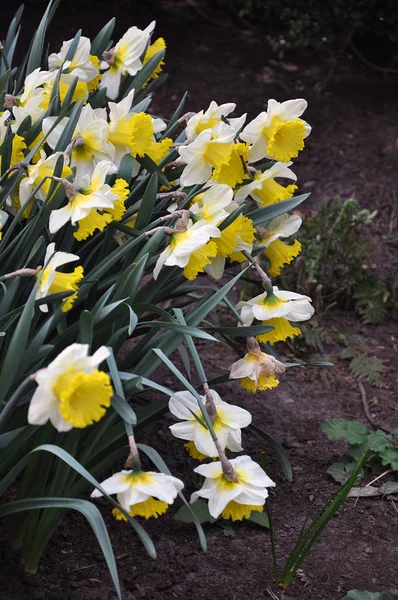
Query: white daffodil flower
[
  {"x": 131, "y": 132},
  {"x": 89, "y": 141},
  {"x": 256, "y": 370},
  {"x": 71, "y": 391},
  {"x": 52, "y": 281},
  {"x": 36, "y": 173},
  {"x": 289, "y": 305},
  {"x": 211, "y": 205},
  {"x": 211, "y": 117},
  {"x": 211, "y": 149},
  {"x": 89, "y": 193},
  {"x": 124, "y": 58},
  {"x": 141, "y": 493},
  {"x": 234, "y": 499},
  {"x": 264, "y": 189},
  {"x": 278, "y": 132},
  {"x": 80, "y": 66},
  {"x": 281, "y": 227},
  {"x": 183, "y": 244},
  {"x": 32, "y": 101},
  {"x": 279, "y": 253},
  {"x": 228, "y": 422},
  {"x": 33, "y": 85}
]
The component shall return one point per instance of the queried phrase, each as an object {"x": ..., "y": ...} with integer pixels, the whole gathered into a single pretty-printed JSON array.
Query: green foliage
[
  {"x": 338, "y": 264},
  {"x": 364, "y": 366},
  {"x": 382, "y": 448},
  {"x": 357, "y": 595}
]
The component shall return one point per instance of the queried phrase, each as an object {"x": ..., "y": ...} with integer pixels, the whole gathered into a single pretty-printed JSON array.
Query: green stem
[{"x": 272, "y": 536}]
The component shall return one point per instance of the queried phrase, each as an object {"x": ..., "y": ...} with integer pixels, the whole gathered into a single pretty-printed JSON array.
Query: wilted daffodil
[
  {"x": 277, "y": 309},
  {"x": 277, "y": 133},
  {"x": 141, "y": 493},
  {"x": 227, "y": 424},
  {"x": 124, "y": 58},
  {"x": 234, "y": 500},
  {"x": 213, "y": 116},
  {"x": 256, "y": 370},
  {"x": 86, "y": 198},
  {"x": 265, "y": 190},
  {"x": 277, "y": 252},
  {"x": 71, "y": 391},
  {"x": 53, "y": 281}
]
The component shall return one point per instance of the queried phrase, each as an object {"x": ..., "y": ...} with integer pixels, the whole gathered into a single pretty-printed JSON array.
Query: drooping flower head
[
  {"x": 141, "y": 493},
  {"x": 53, "y": 281},
  {"x": 265, "y": 190},
  {"x": 71, "y": 391},
  {"x": 234, "y": 500},
  {"x": 124, "y": 58},
  {"x": 277, "y": 309},
  {"x": 279, "y": 253},
  {"x": 80, "y": 66},
  {"x": 213, "y": 116},
  {"x": 227, "y": 424},
  {"x": 256, "y": 370},
  {"x": 278, "y": 133}
]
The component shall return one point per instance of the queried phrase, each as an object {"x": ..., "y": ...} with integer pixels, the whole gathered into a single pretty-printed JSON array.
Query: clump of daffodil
[
  {"x": 213, "y": 116},
  {"x": 227, "y": 420},
  {"x": 53, "y": 281},
  {"x": 279, "y": 253},
  {"x": 277, "y": 308},
  {"x": 277, "y": 133},
  {"x": 92, "y": 203},
  {"x": 141, "y": 493},
  {"x": 71, "y": 391},
  {"x": 124, "y": 58},
  {"x": 233, "y": 497},
  {"x": 256, "y": 370},
  {"x": 265, "y": 190}
]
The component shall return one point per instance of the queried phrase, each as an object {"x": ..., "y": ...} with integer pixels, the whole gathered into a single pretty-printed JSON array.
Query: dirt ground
[{"x": 353, "y": 149}]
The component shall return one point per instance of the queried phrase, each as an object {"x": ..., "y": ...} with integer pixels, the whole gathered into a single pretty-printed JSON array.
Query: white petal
[
  {"x": 183, "y": 404},
  {"x": 184, "y": 431},
  {"x": 219, "y": 500},
  {"x": 113, "y": 485}
]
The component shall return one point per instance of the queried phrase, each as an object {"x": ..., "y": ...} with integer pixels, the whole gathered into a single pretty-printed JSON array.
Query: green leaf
[
  {"x": 88, "y": 509},
  {"x": 86, "y": 328},
  {"x": 390, "y": 457},
  {"x": 102, "y": 39},
  {"x": 259, "y": 518},
  {"x": 198, "y": 509},
  {"x": 183, "y": 329},
  {"x": 379, "y": 441},
  {"x": 253, "y": 330},
  {"x": 36, "y": 50},
  {"x": 148, "y": 202},
  {"x": 144, "y": 74},
  {"x": 353, "y": 431},
  {"x": 279, "y": 452},
  {"x": 124, "y": 410},
  {"x": 357, "y": 595},
  {"x": 261, "y": 215},
  {"x": 341, "y": 471}
]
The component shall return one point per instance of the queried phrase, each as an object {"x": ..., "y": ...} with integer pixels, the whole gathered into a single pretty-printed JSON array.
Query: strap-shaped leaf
[{"x": 260, "y": 215}]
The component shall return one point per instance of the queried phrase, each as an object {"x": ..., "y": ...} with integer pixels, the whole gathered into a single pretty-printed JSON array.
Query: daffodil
[
  {"x": 85, "y": 199},
  {"x": 211, "y": 205},
  {"x": 185, "y": 249},
  {"x": 277, "y": 133},
  {"x": 265, "y": 190},
  {"x": 210, "y": 150},
  {"x": 124, "y": 58},
  {"x": 53, "y": 281},
  {"x": 213, "y": 116},
  {"x": 32, "y": 100},
  {"x": 256, "y": 370},
  {"x": 18, "y": 143},
  {"x": 89, "y": 143},
  {"x": 234, "y": 500},
  {"x": 134, "y": 133},
  {"x": 141, "y": 493},
  {"x": 227, "y": 424},
  {"x": 278, "y": 252},
  {"x": 43, "y": 169},
  {"x": 153, "y": 49},
  {"x": 71, "y": 391},
  {"x": 235, "y": 170},
  {"x": 81, "y": 91},
  {"x": 277, "y": 309},
  {"x": 80, "y": 65}
]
